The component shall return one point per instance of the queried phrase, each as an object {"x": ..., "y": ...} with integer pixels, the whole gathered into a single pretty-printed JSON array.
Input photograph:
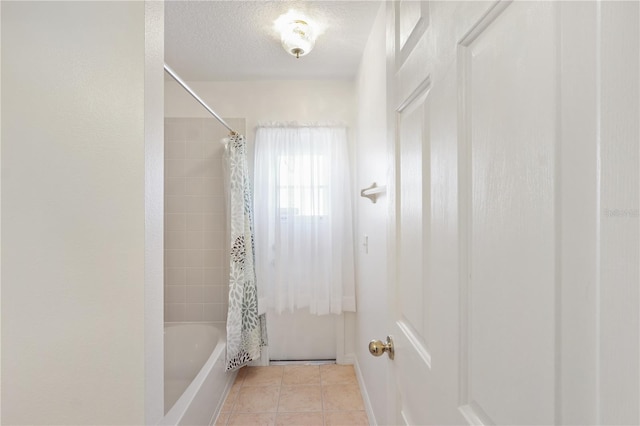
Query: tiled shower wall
[{"x": 195, "y": 220}]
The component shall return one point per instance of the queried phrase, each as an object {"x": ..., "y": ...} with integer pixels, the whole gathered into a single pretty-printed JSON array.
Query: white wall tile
[
  {"x": 175, "y": 240},
  {"x": 224, "y": 307},
  {"x": 194, "y": 293},
  {"x": 194, "y": 130},
  {"x": 213, "y": 150},
  {"x": 195, "y": 186},
  {"x": 212, "y": 258},
  {"x": 225, "y": 292},
  {"x": 194, "y": 240},
  {"x": 194, "y": 204},
  {"x": 174, "y": 150},
  {"x": 175, "y": 276},
  {"x": 213, "y": 240},
  {"x": 212, "y": 276},
  {"x": 209, "y": 204},
  {"x": 174, "y": 186},
  {"x": 219, "y": 293},
  {"x": 213, "y": 312},
  {"x": 212, "y": 294},
  {"x": 194, "y": 259},
  {"x": 174, "y": 130},
  {"x": 174, "y": 167},
  {"x": 212, "y": 167},
  {"x": 194, "y": 149},
  {"x": 219, "y": 207},
  {"x": 194, "y": 167},
  {"x": 195, "y": 221},
  {"x": 174, "y": 204},
  {"x": 175, "y": 258},
  {"x": 194, "y": 276},
  {"x": 213, "y": 187},
  {"x": 213, "y": 223},
  {"x": 193, "y": 312},
  {"x": 175, "y": 222},
  {"x": 175, "y": 312},
  {"x": 175, "y": 294}
]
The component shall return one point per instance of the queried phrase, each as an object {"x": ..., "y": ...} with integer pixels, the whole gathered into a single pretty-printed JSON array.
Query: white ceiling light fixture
[{"x": 297, "y": 33}]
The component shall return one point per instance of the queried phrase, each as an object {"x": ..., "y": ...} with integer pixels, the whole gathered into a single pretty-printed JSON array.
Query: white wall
[
  {"x": 264, "y": 101},
  {"x": 267, "y": 100},
  {"x": 154, "y": 210},
  {"x": 0, "y": 213},
  {"x": 76, "y": 227},
  {"x": 273, "y": 100},
  {"x": 372, "y": 219}
]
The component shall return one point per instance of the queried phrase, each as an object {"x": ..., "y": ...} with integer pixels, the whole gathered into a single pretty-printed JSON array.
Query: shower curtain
[{"x": 246, "y": 327}]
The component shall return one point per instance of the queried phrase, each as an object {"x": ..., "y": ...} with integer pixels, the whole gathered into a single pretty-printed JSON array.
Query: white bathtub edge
[
  {"x": 229, "y": 384},
  {"x": 206, "y": 386}
]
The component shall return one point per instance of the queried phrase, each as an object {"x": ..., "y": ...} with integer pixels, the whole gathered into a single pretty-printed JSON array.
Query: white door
[{"x": 514, "y": 296}]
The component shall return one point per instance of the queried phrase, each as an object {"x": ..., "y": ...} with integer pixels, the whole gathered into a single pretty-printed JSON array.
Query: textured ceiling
[{"x": 235, "y": 40}]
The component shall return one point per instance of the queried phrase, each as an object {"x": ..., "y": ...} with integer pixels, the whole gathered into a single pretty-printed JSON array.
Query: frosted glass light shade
[{"x": 297, "y": 38}]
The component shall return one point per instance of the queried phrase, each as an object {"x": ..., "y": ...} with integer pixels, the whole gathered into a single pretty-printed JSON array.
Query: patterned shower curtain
[{"x": 246, "y": 328}]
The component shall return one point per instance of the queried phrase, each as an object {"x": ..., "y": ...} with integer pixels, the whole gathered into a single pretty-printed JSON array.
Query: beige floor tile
[
  {"x": 236, "y": 387},
  {"x": 333, "y": 374},
  {"x": 301, "y": 375},
  {"x": 299, "y": 419},
  {"x": 242, "y": 372},
  {"x": 342, "y": 418},
  {"x": 300, "y": 398},
  {"x": 257, "y": 399},
  {"x": 233, "y": 392},
  {"x": 252, "y": 419},
  {"x": 227, "y": 407},
  {"x": 222, "y": 419},
  {"x": 342, "y": 398},
  {"x": 263, "y": 376}
]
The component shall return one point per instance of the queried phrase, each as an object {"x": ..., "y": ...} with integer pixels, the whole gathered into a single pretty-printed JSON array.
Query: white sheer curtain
[{"x": 303, "y": 220}]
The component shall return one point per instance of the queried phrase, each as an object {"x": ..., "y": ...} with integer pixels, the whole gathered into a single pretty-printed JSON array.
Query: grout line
[
  {"x": 322, "y": 397},
  {"x": 275, "y": 419}
]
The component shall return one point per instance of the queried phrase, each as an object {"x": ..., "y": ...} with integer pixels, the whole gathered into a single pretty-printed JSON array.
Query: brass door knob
[{"x": 378, "y": 347}]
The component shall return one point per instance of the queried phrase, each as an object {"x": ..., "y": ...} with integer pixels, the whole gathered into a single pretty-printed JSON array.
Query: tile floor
[{"x": 305, "y": 395}]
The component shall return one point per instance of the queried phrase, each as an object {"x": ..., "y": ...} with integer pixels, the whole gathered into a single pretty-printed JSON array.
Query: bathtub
[{"x": 195, "y": 380}]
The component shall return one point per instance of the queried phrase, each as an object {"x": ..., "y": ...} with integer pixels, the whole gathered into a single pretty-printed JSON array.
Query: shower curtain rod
[{"x": 186, "y": 87}]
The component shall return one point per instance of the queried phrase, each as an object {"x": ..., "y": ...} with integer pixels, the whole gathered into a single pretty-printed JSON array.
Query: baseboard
[
  {"x": 363, "y": 391},
  {"x": 345, "y": 359}
]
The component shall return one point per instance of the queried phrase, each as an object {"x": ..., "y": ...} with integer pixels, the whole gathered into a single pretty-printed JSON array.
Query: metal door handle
[{"x": 377, "y": 347}]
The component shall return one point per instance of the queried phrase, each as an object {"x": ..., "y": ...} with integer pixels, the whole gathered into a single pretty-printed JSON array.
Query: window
[
  {"x": 303, "y": 222},
  {"x": 302, "y": 185}
]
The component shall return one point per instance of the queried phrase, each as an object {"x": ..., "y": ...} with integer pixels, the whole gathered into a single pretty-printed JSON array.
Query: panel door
[
  {"x": 411, "y": 295},
  {"x": 515, "y": 201}
]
